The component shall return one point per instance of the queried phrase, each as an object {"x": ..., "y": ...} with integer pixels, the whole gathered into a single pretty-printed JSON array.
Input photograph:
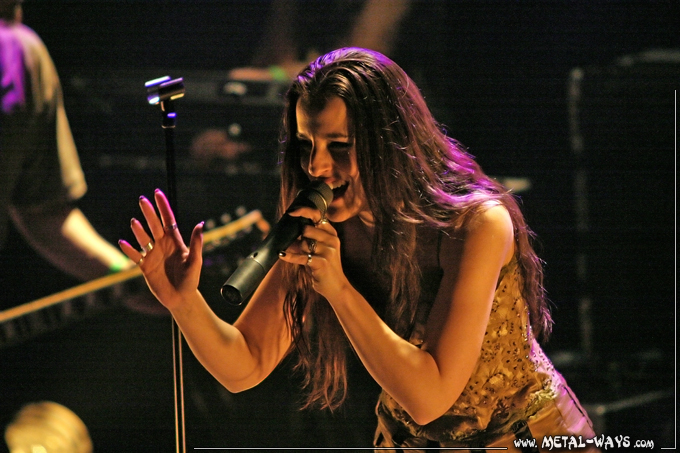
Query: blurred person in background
[
  {"x": 297, "y": 32},
  {"x": 40, "y": 174}
]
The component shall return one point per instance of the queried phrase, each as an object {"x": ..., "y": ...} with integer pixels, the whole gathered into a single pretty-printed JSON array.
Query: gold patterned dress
[{"x": 514, "y": 390}]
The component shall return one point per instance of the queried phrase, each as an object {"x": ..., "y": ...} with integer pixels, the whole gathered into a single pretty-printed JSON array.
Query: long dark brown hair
[{"x": 412, "y": 174}]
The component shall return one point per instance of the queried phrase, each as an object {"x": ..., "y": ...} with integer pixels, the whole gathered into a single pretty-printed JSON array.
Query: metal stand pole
[{"x": 163, "y": 91}]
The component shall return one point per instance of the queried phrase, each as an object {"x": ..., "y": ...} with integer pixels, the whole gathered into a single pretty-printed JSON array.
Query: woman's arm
[
  {"x": 425, "y": 381},
  {"x": 67, "y": 239},
  {"x": 239, "y": 356}
]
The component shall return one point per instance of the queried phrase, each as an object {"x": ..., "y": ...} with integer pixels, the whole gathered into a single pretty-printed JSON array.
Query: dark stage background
[{"x": 538, "y": 91}]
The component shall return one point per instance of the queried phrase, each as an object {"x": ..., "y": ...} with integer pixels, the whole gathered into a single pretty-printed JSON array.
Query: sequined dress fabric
[{"x": 512, "y": 381}]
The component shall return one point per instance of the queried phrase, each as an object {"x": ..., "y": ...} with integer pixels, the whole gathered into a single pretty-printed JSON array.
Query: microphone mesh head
[
  {"x": 317, "y": 195},
  {"x": 321, "y": 195}
]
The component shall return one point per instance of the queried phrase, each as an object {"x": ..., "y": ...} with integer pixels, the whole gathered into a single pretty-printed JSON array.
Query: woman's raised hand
[{"x": 171, "y": 269}]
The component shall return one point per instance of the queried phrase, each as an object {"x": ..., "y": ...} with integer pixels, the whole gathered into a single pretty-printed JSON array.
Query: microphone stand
[
  {"x": 168, "y": 125},
  {"x": 164, "y": 91}
]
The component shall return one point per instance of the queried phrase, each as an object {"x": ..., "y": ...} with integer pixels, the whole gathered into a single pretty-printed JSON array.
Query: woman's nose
[{"x": 320, "y": 162}]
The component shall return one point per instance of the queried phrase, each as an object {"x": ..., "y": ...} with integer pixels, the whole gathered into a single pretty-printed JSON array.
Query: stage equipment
[
  {"x": 47, "y": 427},
  {"x": 164, "y": 91},
  {"x": 622, "y": 123},
  {"x": 25, "y": 321},
  {"x": 623, "y": 133}
]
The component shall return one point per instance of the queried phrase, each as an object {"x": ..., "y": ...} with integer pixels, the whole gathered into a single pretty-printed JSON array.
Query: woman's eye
[{"x": 339, "y": 146}]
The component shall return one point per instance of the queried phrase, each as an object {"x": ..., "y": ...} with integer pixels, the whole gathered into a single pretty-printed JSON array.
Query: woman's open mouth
[{"x": 339, "y": 191}]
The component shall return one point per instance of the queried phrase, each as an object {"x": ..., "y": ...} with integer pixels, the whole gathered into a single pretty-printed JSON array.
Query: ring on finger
[
  {"x": 312, "y": 246},
  {"x": 171, "y": 227},
  {"x": 323, "y": 221},
  {"x": 147, "y": 248},
  {"x": 309, "y": 259},
  {"x": 141, "y": 260}
]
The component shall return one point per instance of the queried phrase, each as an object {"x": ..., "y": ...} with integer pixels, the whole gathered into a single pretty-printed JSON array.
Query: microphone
[{"x": 252, "y": 270}]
